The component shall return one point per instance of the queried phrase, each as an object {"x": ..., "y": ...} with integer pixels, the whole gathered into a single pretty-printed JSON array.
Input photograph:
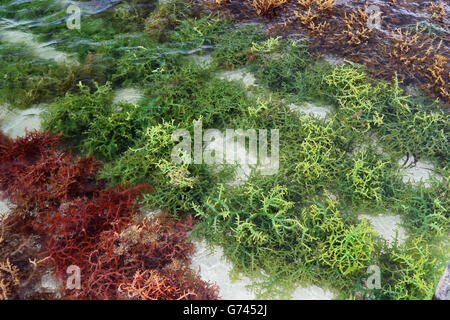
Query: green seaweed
[
  {"x": 426, "y": 211},
  {"x": 194, "y": 33},
  {"x": 233, "y": 48},
  {"x": 27, "y": 79},
  {"x": 281, "y": 230},
  {"x": 111, "y": 134},
  {"x": 411, "y": 271},
  {"x": 176, "y": 187},
  {"x": 278, "y": 64},
  {"x": 73, "y": 114}
]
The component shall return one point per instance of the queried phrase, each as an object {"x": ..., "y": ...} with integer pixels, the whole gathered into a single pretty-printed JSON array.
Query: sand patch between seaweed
[
  {"x": 213, "y": 267},
  {"x": 310, "y": 109},
  {"x": 14, "y": 122},
  {"x": 203, "y": 61},
  {"x": 387, "y": 226},
  {"x": 4, "y": 207},
  {"x": 130, "y": 95},
  {"x": 421, "y": 171},
  {"x": 239, "y": 74}
]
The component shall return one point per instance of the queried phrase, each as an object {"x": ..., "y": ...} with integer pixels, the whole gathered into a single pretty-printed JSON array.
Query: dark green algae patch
[{"x": 299, "y": 226}]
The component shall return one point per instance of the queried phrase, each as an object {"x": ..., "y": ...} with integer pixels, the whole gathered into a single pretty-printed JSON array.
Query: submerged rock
[{"x": 443, "y": 288}]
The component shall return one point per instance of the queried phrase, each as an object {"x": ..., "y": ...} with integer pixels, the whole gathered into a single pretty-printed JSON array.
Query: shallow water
[
  {"x": 374, "y": 52},
  {"x": 42, "y": 33}
]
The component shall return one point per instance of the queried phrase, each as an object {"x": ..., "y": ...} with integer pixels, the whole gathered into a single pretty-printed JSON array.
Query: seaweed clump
[{"x": 76, "y": 222}]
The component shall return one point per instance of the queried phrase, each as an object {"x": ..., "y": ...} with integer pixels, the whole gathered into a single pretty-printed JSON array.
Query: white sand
[
  {"x": 412, "y": 90},
  {"x": 149, "y": 213},
  {"x": 312, "y": 293},
  {"x": 373, "y": 142},
  {"x": 214, "y": 268},
  {"x": 239, "y": 74},
  {"x": 387, "y": 226},
  {"x": 311, "y": 109},
  {"x": 204, "y": 61},
  {"x": 49, "y": 283},
  {"x": 130, "y": 95},
  {"x": 334, "y": 60},
  {"x": 423, "y": 171},
  {"x": 14, "y": 122},
  {"x": 40, "y": 50}
]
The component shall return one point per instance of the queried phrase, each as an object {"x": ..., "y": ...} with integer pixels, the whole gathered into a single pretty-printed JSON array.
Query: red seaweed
[{"x": 121, "y": 255}]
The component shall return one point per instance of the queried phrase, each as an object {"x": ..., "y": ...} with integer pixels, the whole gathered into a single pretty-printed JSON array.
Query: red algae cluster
[{"x": 62, "y": 217}]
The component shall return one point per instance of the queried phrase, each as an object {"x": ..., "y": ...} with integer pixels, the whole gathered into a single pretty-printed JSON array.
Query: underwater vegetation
[
  {"x": 266, "y": 7},
  {"x": 28, "y": 79},
  {"x": 383, "y": 42},
  {"x": 60, "y": 205},
  {"x": 81, "y": 187}
]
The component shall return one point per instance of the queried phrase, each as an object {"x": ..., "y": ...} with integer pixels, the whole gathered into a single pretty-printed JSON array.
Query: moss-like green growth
[
  {"x": 73, "y": 114},
  {"x": 175, "y": 186},
  {"x": 197, "y": 32},
  {"x": 140, "y": 65},
  {"x": 278, "y": 64},
  {"x": 421, "y": 132},
  {"x": 109, "y": 135},
  {"x": 27, "y": 79},
  {"x": 339, "y": 244},
  {"x": 255, "y": 219},
  {"x": 316, "y": 155},
  {"x": 410, "y": 272},
  {"x": 166, "y": 17},
  {"x": 281, "y": 230},
  {"x": 257, "y": 227},
  {"x": 29, "y": 10},
  {"x": 350, "y": 88},
  {"x": 234, "y": 46},
  {"x": 369, "y": 177},
  {"x": 130, "y": 16},
  {"x": 190, "y": 92},
  {"x": 265, "y": 235},
  {"x": 426, "y": 211},
  {"x": 138, "y": 163}
]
